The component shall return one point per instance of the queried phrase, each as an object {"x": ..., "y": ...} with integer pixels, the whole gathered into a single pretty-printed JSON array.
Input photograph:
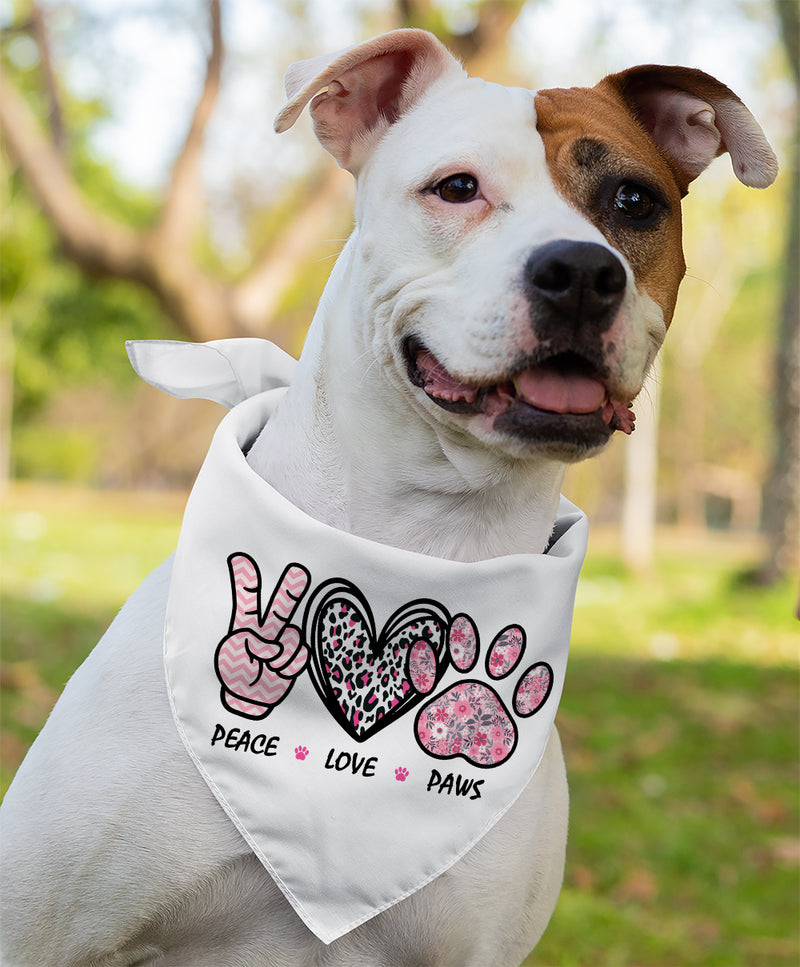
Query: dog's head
[{"x": 519, "y": 253}]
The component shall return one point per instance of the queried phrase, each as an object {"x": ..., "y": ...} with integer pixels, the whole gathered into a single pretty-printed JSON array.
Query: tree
[
  {"x": 159, "y": 257},
  {"x": 59, "y": 328},
  {"x": 203, "y": 304},
  {"x": 782, "y": 489}
]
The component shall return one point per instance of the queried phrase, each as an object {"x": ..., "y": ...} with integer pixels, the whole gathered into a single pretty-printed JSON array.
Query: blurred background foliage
[
  {"x": 144, "y": 196},
  {"x": 262, "y": 233}
]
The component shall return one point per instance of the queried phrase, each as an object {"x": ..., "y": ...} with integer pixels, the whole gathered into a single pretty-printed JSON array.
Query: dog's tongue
[
  {"x": 556, "y": 392},
  {"x": 541, "y": 387},
  {"x": 545, "y": 389}
]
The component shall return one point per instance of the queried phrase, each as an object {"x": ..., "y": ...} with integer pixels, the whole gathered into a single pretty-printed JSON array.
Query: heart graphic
[{"x": 368, "y": 680}]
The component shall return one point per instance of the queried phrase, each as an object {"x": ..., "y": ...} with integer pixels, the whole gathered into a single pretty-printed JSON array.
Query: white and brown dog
[{"x": 511, "y": 276}]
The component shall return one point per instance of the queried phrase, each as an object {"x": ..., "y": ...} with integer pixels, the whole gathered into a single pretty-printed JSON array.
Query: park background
[{"x": 144, "y": 195}]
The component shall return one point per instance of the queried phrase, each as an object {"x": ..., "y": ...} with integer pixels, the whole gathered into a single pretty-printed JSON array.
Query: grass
[
  {"x": 679, "y": 722},
  {"x": 683, "y": 846},
  {"x": 68, "y": 560}
]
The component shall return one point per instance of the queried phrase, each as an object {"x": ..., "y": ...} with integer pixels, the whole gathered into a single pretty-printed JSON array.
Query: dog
[{"x": 511, "y": 276}]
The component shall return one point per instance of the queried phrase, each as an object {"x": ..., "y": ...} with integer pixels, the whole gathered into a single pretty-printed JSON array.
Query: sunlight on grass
[
  {"x": 81, "y": 548},
  {"x": 695, "y": 604}
]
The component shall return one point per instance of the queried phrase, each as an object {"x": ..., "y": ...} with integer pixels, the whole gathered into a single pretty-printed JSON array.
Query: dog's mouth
[{"x": 562, "y": 398}]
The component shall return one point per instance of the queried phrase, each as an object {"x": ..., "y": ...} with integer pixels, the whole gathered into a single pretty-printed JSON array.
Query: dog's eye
[
  {"x": 457, "y": 189},
  {"x": 633, "y": 201}
]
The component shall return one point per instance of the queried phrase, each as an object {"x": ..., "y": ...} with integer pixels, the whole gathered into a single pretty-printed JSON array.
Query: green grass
[
  {"x": 683, "y": 838},
  {"x": 679, "y": 722},
  {"x": 68, "y": 560}
]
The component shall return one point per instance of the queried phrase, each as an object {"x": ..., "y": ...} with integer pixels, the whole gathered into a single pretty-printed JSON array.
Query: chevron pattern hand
[{"x": 262, "y": 654}]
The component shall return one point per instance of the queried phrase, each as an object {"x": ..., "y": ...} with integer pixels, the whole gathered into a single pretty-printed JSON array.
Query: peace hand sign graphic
[{"x": 262, "y": 654}]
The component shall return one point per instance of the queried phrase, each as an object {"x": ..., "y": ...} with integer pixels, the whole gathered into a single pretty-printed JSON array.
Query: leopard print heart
[{"x": 368, "y": 680}]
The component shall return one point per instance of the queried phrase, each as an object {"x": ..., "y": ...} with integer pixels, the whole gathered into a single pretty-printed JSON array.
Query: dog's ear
[
  {"x": 694, "y": 118},
  {"x": 360, "y": 91}
]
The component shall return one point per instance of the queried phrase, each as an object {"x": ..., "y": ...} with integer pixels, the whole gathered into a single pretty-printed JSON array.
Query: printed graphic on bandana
[
  {"x": 368, "y": 680},
  {"x": 262, "y": 654},
  {"x": 469, "y": 719}
]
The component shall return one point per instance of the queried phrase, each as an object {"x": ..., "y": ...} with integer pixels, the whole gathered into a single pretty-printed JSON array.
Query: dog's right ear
[{"x": 362, "y": 90}]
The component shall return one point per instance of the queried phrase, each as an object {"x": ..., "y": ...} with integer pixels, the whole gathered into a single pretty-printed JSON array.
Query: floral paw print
[
  {"x": 300, "y": 752},
  {"x": 470, "y": 719},
  {"x": 401, "y": 774}
]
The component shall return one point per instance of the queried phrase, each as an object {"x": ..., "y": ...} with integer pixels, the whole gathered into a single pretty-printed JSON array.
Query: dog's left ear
[
  {"x": 363, "y": 89},
  {"x": 694, "y": 118}
]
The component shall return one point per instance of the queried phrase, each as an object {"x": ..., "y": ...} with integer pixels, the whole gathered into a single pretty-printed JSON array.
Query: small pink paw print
[
  {"x": 401, "y": 774},
  {"x": 300, "y": 752}
]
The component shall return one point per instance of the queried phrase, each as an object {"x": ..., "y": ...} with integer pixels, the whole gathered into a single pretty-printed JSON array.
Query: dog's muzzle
[{"x": 558, "y": 395}]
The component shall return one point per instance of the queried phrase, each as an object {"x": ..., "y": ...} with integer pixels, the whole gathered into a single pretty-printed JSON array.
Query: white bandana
[{"x": 363, "y": 714}]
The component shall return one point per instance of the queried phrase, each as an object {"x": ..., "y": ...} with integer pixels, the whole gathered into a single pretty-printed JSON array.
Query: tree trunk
[
  {"x": 641, "y": 472},
  {"x": 6, "y": 399},
  {"x": 782, "y": 489}
]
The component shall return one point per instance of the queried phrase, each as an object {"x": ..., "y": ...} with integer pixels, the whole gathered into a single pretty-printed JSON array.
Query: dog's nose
[{"x": 577, "y": 283}]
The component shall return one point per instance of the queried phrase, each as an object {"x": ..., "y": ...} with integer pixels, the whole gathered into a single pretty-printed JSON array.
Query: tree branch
[
  {"x": 40, "y": 35},
  {"x": 197, "y": 303},
  {"x": 482, "y": 49},
  {"x": 97, "y": 244},
  {"x": 183, "y": 203},
  {"x": 256, "y": 298}
]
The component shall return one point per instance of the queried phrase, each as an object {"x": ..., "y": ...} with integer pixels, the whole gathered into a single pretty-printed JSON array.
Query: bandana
[{"x": 363, "y": 714}]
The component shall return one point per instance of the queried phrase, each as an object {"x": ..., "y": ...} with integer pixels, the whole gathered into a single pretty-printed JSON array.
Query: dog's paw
[
  {"x": 469, "y": 719},
  {"x": 300, "y": 752},
  {"x": 401, "y": 774}
]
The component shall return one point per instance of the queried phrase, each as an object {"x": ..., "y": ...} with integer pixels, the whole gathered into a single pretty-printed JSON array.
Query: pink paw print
[
  {"x": 401, "y": 774},
  {"x": 469, "y": 719},
  {"x": 300, "y": 752}
]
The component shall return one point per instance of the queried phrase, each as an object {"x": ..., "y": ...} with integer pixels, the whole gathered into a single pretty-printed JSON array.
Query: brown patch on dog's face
[{"x": 604, "y": 164}]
